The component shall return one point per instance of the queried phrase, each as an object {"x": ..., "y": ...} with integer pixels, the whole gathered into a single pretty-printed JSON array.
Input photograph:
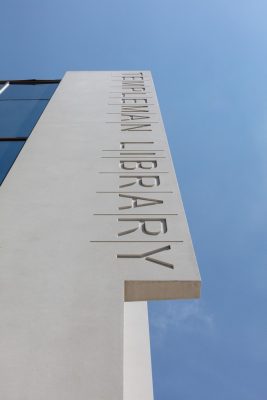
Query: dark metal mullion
[
  {"x": 14, "y": 139},
  {"x": 24, "y": 99},
  {"x": 31, "y": 81}
]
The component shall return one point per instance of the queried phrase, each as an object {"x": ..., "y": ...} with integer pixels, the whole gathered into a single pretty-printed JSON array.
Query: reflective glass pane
[
  {"x": 8, "y": 154},
  {"x": 37, "y": 91},
  {"x": 18, "y": 117}
]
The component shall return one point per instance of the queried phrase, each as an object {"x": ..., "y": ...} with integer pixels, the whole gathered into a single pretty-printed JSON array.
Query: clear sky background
[{"x": 209, "y": 63}]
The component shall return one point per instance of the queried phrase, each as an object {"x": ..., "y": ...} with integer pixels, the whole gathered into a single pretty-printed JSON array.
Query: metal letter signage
[
  {"x": 139, "y": 208},
  {"x": 90, "y": 216}
]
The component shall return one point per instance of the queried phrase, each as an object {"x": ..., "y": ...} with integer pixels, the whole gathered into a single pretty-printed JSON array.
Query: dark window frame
[
  {"x": 29, "y": 81},
  {"x": 22, "y": 138}
]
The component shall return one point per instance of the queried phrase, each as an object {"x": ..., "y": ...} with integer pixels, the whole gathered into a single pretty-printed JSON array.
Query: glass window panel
[
  {"x": 3, "y": 87},
  {"x": 36, "y": 91},
  {"x": 18, "y": 117},
  {"x": 8, "y": 154}
]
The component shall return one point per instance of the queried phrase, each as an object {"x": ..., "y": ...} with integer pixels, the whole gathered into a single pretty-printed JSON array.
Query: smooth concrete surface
[
  {"x": 137, "y": 378},
  {"x": 90, "y": 215}
]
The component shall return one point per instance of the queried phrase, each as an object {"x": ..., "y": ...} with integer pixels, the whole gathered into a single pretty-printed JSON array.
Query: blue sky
[{"x": 209, "y": 63}]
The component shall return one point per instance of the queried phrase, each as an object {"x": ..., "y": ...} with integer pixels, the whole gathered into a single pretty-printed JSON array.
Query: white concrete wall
[
  {"x": 65, "y": 266},
  {"x": 137, "y": 379}
]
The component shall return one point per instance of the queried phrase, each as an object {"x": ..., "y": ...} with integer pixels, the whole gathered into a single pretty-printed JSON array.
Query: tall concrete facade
[{"x": 91, "y": 217}]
